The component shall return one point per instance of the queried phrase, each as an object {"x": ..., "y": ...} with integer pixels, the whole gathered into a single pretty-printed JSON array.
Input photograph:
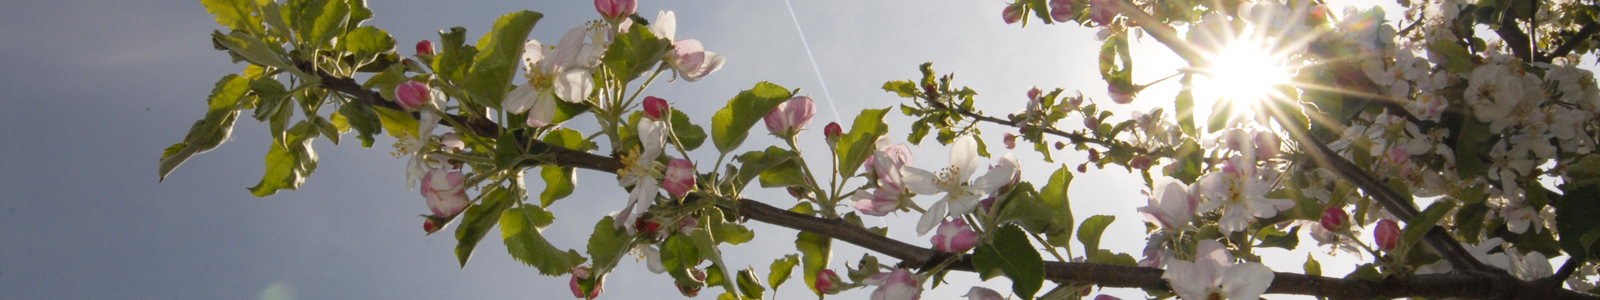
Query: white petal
[
  {"x": 1187, "y": 280},
  {"x": 1246, "y": 281},
  {"x": 574, "y": 85},
  {"x": 651, "y": 137},
  {"x": 932, "y": 218},
  {"x": 965, "y": 204},
  {"x": 543, "y": 112},
  {"x": 1213, "y": 251},
  {"x": 919, "y": 181},
  {"x": 532, "y": 51},
  {"x": 964, "y": 157},
  {"x": 653, "y": 257},
  {"x": 665, "y": 26},
  {"x": 711, "y": 63}
]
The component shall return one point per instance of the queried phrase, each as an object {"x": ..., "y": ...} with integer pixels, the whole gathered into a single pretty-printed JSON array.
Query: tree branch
[
  {"x": 1588, "y": 30},
  {"x": 1105, "y": 275}
]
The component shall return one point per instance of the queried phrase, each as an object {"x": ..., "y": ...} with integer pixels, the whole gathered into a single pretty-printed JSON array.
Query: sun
[{"x": 1243, "y": 74}]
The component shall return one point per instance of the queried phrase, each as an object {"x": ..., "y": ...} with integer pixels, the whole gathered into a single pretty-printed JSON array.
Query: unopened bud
[
  {"x": 832, "y": 132},
  {"x": 424, "y": 48},
  {"x": 412, "y": 95},
  {"x": 1014, "y": 12},
  {"x": 1387, "y": 234},
  {"x": 655, "y": 108},
  {"x": 1010, "y": 140},
  {"x": 1334, "y": 218}
]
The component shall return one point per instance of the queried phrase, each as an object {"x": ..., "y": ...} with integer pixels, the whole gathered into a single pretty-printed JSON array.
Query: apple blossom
[
  {"x": 829, "y": 282},
  {"x": 1214, "y": 275},
  {"x": 1014, "y": 12},
  {"x": 1061, "y": 10},
  {"x": 561, "y": 73},
  {"x": 640, "y": 172},
  {"x": 1532, "y": 266},
  {"x": 425, "y": 47},
  {"x": 1102, "y": 11},
  {"x": 687, "y": 57},
  {"x": 1334, "y": 218},
  {"x": 1241, "y": 194},
  {"x": 1010, "y": 140},
  {"x": 1172, "y": 205},
  {"x": 888, "y": 170},
  {"x": 790, "y": 117},
  {"x": 898, "y": 284},
  {"x": 445, "y": 192},
  {"x": 412, "y": 95},
  {"x": 615, "y": 9},
  {"x": 980, "y": 293},
  {"x": 955, "y": 237},
  {"x": 1387, "y": 234},
  {"x": 655, "y": 108},
  {"x": 961, "y": 196},
  {"x": 580, "y": 273},
  {"x": 679, "y": 177}
]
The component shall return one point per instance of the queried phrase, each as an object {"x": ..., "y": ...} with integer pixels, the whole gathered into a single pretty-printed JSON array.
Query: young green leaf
[
  {"x": 477, "y": 219},
  {"x": 520, "y": 228},
  {"x": 815, "y": 252},
  {"x": 781, "y": 269},
  {"x": 854, "y": 147},
  {"x": 731, "y": 125},
  {"x": 1013, "y": 255},
  {"x": 210, "y": 132},
  {"x": 490, "y": 76}
]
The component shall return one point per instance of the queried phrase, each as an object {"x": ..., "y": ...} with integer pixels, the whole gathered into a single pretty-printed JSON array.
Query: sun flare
[{"x": 1244, "y": 71}]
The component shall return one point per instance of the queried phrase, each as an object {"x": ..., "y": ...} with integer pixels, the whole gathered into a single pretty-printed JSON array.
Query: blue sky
[{"x": 98, "y": 88}]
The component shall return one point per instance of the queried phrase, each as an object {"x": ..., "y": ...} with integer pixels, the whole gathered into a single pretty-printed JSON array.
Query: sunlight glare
[{"x": 1241, "y": 75}]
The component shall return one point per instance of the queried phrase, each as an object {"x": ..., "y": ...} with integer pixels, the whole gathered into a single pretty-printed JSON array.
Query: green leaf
[
  {"x": 1368, "y": 272},
  {"x": 498, "y": 58},
  {"x": 733, "y": 233},
  {"x": 210, "y": 132},
  {"x": 289, "y": 161},
  {"x": 854, "y": 147},
  {"x": 904, "y": 88},
  {"x": 454, "y": 58},
  {"x": 320, "y": 20},
  {"x": 753, "y": 163},
  {"x": 1474, "y": 140},
  {"x": 477, "y": 219},
  {"x": 1272, "y": 237},
  {"x": 1054, "y": 194},
  {"x": 678, "y": 254},
  {"x": 781, "y": 269},
  {"x": 1575, "y": 219},
  {"x": 1013, "y": 255},
  {"x": 731, "y": 125},
  {"x": 252, "y": 49},
  {"x": 708, "y": 249},
  {"x": 239, "y": 15},
  {"x": 634, "y": 53},
  {"x": 1425, "y": 221},
  {"x": 1184, "y": 104},
  {"x": 1040, "y": 9},
  {"x": 397, "y": 122},
  {"x": 690, "y": 136},
  {"x": 366, "y": 43},
  {"x": 1221, "y": 112},
  {"x": 559, "y": 182},
  {"x": 520, "y": 228},
  {"x": 363, "y": 119},
  {"x": 1089, "y": 232},
  {"x": 1312, "y": 267},
  {"x": 607, "y": 245},
  {"x": 815, "y": 252},
  {"x": 784, "y": 174},
  {"x": 750, "y": 284}
]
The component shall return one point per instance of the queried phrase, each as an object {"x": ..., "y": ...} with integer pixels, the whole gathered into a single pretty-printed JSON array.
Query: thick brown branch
[
  {"x": 348, "y": 86},
  {"x": 1588, "y": 30}
]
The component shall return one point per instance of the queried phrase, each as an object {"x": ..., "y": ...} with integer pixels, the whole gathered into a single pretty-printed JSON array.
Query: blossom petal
[
  {"x": 920, "y": 181},
  {"x": 1187, "y": 279},
  {"x": 964, "y": 157},
  {"x": 1246, "y": 281},
  {"x": 932, "y": 218},
  {"x": 574, "y": 85},
  {"x": 666, "y": 25}
]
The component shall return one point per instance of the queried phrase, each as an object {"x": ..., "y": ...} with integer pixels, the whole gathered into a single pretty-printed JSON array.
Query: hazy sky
[{"x": 99, "y": 88}]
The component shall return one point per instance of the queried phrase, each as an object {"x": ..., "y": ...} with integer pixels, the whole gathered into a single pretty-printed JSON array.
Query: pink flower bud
[
  {"x": 955, "y": 237},
  {"x": 1061, "y": 10},
  {"x": 679, "y": 177},
  {"x": 412, "y": 95},
  {"x": 1387, "y": 234},
  {"x": 791, "y": 116},
  {"x": 615, "y": 9},
  {"x": 449, "y": 141},
  {"x": 691, "y": 290},
  {"x": 1334, "y": 218},
  {"x": 644, "y": 224},
  {"x": 424, "y": 48},
  {"x": 429, "y": 226},
  {"x": 582, "y": 272},
  {"x": 877, "y": 203},
  {"x": 1141, "y": 163},
  {"x": 1102, "y": 11},
  {"x": 1034, "y": 93},
  {"x": 687, "y": 224},
  {"x": 1267, "y": 145},
  {"x": 655, "y": 108},
  {"x": 832, "y": 132},
  {"x": 1014, "y": 12},
  {"x": 445, "y": 192},
  {"x": 895, "y": 285},
  {"x": 829, "y": 282},
  {"x": 1010, "y": 140},
  {"x": 1118, "y": 95},
  {"x": 979, "y": 293}
]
